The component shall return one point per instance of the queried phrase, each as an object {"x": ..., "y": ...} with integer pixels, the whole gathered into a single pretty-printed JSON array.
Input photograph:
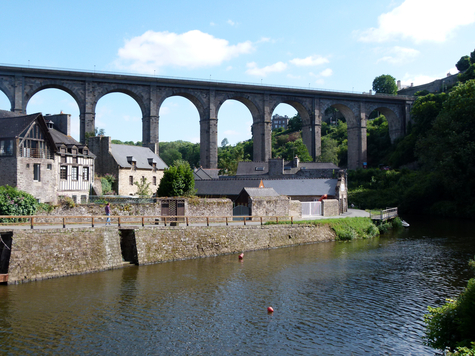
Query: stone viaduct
[{"x": 20, "y": 83}]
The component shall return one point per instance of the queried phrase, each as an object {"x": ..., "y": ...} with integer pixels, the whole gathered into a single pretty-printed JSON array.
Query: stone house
[
  {"x": 38, "y": 156},
  {"x": 129, "y": 164}
]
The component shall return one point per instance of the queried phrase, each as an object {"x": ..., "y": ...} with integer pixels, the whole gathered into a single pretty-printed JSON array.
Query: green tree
[
  {"x": 329, "y": 150},
  {"x": 448, "y": 148},
  {"x": 177, "y": 181},
  {"x": 295, "y": 123},
  {"x": 143, "y": 188},
  {"x": 385, "y": 84},
  {"x": 463, "y": 63}
]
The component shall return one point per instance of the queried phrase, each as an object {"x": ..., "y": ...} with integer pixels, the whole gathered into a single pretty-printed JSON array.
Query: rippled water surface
[{"x": 361, "y": 298}]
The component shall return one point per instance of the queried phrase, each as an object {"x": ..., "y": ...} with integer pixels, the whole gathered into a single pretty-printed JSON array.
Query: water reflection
[{"x": 362, "y": 297}]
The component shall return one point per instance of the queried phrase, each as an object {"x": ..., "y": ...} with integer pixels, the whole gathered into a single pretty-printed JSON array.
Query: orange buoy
[
  {"x": 270, "y": 310},
  {"x": 241, "y": 256}
]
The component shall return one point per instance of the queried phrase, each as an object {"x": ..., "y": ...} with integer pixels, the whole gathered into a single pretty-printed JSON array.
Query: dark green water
[{"x": 361, "y": 298}]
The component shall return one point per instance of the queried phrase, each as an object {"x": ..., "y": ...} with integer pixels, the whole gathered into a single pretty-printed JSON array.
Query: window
[
  {"x": 154, "y": 180},
  {"x": 63, "y": 172},
  {"x": 83, "y": 199},
  {"x": 36, "y": 171},
  {"x": 74, "y": 173},
  {"x": 75, "y": 199},
  {"x": 6, "y": 147},
  {"x": 63, "y": 159},
  {"x": 131, "y": 180},
  {"x": 85, "y": 173},
  {"x": 49, "y": 166}
]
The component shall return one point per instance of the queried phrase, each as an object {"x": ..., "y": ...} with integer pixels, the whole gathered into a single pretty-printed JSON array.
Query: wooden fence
[{"x": 93, "y": 221}]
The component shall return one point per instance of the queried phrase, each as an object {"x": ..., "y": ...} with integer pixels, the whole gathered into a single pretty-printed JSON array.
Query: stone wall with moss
[
  {"x": 39, "y": 254},
  {"x": 158, "y": 245}
]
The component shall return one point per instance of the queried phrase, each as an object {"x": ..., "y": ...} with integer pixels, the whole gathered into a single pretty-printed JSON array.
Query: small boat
[{"x": 404, "y": 223}]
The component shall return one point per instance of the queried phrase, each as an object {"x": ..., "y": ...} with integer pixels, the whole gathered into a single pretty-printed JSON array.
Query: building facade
[
  {"x": 129, "y": 164},
  {"x": 37, "y": 158}
]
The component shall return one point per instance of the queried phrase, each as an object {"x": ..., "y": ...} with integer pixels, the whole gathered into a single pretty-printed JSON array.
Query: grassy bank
[{"x": 345, "y": 228}]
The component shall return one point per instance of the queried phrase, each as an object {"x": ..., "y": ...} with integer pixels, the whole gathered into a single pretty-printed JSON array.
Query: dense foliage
[
  {"x": 453, "y": 324},
  {"x": 180, "y": 150},
  {"x": 177, "y": 181},
  {"x": 16, "y": 202}
]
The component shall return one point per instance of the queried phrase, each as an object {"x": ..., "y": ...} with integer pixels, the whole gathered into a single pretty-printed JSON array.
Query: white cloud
[
  {"x": 262, "y": 72},
  {"x": 398, "y": 55},
  {"x": 193, "y": 49},
  {"x": 326, "y": 73},
  {"x": 309, "y": 61},
  {"x": 231, "y": 22},
  {"x": 422, "y": 20}
]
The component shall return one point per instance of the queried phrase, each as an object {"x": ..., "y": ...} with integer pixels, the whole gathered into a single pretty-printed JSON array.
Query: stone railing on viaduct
[{"x": 20, "y": 84}]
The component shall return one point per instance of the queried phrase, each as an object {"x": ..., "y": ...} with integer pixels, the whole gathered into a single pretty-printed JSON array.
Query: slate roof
[
  {"x": 60, "y": 138},
  {"x": 140, "y": 154},
  {"x": 289, "y": 187},
  {"x": 260, "y": 168},
  {"x": 13, "y": 126},
  {"x": 261, "y": 192},
  {"x": 224, "y": 187},
  {"x": 208, "y": 173},
  {"x": 302, "y": 187}
]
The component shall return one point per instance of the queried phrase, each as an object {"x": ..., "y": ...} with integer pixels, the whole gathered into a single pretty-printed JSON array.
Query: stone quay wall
[{"x": 41, "y": 254}]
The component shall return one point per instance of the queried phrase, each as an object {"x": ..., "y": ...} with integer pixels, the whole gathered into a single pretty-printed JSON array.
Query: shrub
[
  {"x": 16, "y": 202},
  {"x": 453, "y": 324}
]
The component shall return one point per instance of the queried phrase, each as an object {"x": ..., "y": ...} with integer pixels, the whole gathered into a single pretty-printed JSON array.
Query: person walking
[{"x": 108, "y": 213}]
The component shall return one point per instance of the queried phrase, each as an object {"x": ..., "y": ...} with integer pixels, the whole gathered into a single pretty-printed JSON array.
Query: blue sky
[{"x": 331, "y": 45}]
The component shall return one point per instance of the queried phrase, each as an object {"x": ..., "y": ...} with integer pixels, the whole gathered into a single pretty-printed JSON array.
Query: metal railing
[
  {"x": 386, "y": 214},
  {"x": 143, "y": 220}
]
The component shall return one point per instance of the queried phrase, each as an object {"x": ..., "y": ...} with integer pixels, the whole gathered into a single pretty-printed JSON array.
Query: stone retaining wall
[{"x": 41, "y": 254}]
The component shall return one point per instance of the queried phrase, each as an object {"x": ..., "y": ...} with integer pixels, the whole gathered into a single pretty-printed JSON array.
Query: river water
[{"x": 355, "y": 298}]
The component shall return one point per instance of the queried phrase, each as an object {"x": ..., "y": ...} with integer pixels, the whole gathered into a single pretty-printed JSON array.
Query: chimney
[
  {"x": 398, "y": 85},
  {"x": 296, "y": 162}
]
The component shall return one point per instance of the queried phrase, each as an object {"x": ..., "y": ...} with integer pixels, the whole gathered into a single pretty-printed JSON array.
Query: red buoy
[
  {"x": 270, "y": 310},
  {"x": 241, "y": 256}
]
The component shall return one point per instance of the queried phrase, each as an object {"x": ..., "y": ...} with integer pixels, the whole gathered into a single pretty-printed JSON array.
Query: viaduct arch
[{"x": 20, "y": 83}]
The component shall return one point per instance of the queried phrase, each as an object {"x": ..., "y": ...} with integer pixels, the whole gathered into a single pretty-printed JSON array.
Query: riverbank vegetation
[
  {"x": 451, "y": 327},
  {"x": 345, "y": 229}
]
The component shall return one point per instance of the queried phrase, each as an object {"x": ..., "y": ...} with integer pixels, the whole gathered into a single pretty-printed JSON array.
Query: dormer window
[{"x": 132, "y": 161}]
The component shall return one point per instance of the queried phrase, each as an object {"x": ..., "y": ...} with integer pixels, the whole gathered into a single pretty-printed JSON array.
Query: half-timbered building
[{"x": 37, "y": 158}]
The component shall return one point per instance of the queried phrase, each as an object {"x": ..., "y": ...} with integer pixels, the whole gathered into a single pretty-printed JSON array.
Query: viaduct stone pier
[{"x": 20, "y": 84}]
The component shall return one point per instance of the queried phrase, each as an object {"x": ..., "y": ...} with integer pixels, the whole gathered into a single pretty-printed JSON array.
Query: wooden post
[
  {"x": 31, "y": 221},
  {"x": 64, "y": 222},
  {"x": 261, "y": 220},
  {"x": 118, "y": 221},
  {"x": 92, "y": 223},
  {"x": 143, "y": 221},
  {"x": 187, "y": 221},
  {"x": 291, "y": 220},
  {"x": 207, "y": 221}
]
